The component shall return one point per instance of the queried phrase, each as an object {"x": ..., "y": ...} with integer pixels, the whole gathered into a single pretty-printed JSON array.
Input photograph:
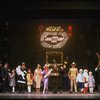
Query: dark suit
[{"x": 5, "y": 77}]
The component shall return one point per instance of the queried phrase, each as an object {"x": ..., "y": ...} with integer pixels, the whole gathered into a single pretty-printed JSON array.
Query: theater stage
[{"x": 50, "y": 95}]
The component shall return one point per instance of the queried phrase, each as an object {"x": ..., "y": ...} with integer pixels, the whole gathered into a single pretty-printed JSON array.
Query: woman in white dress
[{"x": 38, "y": 78}]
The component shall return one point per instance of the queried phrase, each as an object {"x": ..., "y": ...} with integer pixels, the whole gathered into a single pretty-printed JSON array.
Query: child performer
[
  {"x": 80, "y": 80},
  {"x": 12, "y": 82},
  {"x": 29, "y": 77},
  {"x": 91, "y": 82},
  {"x": 85, "y": 74},
  {"x": 45, "y": 79}
]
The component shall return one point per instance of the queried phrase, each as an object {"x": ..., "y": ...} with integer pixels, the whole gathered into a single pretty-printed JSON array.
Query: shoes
[
  {"x": 43, "y": 92},
  {"x": 91, "y": 92},
  {"x": 60, "y": 92},
  {"x": 46, "y": 91},
  {"x": 55, "y": 92},
  {"x": 70, "y": 92},
  {"x": 29, "y": 92},
  {"x": 19, "y": 92},
  {"x": 12, "y": 91}
]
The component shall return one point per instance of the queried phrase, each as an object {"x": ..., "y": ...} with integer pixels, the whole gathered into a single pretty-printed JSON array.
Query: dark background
[
  {"x": 25, "y": 41},
  {"x": 19, "y": 34}
]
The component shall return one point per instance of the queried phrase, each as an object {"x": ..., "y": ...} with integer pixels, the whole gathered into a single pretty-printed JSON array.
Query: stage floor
[{"x": 50, "y": 95}]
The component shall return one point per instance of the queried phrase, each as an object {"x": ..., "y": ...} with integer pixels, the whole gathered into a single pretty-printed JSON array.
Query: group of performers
[
  {"x": 80, "y": 79},
  {"x": 83, "y": 80}
]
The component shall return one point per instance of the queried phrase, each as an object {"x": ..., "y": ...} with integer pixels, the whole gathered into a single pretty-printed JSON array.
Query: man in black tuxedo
[{"x": 5, "y": 77}]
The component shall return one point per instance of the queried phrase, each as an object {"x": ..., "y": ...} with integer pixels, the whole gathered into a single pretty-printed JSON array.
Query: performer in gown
[
  {"x": 45, "y": 79},
  {"x": 38, "y": 78}
]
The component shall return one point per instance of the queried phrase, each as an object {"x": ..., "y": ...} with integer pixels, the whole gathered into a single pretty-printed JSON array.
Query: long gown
[
  {"x": 38, "y": 77},
  {"x": 45, "y": 80}
]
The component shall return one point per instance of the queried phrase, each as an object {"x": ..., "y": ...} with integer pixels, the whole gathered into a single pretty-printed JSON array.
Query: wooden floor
[{"x": 50, "y": 95}]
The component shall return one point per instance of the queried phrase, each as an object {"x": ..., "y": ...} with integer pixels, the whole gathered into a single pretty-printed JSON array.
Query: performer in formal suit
[
  {"x": 5, "y": 77},
  {"x": 55, "y": 74}
]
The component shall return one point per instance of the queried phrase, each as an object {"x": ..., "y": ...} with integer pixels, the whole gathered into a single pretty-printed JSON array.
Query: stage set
[{"x": 51, "y": 35}]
